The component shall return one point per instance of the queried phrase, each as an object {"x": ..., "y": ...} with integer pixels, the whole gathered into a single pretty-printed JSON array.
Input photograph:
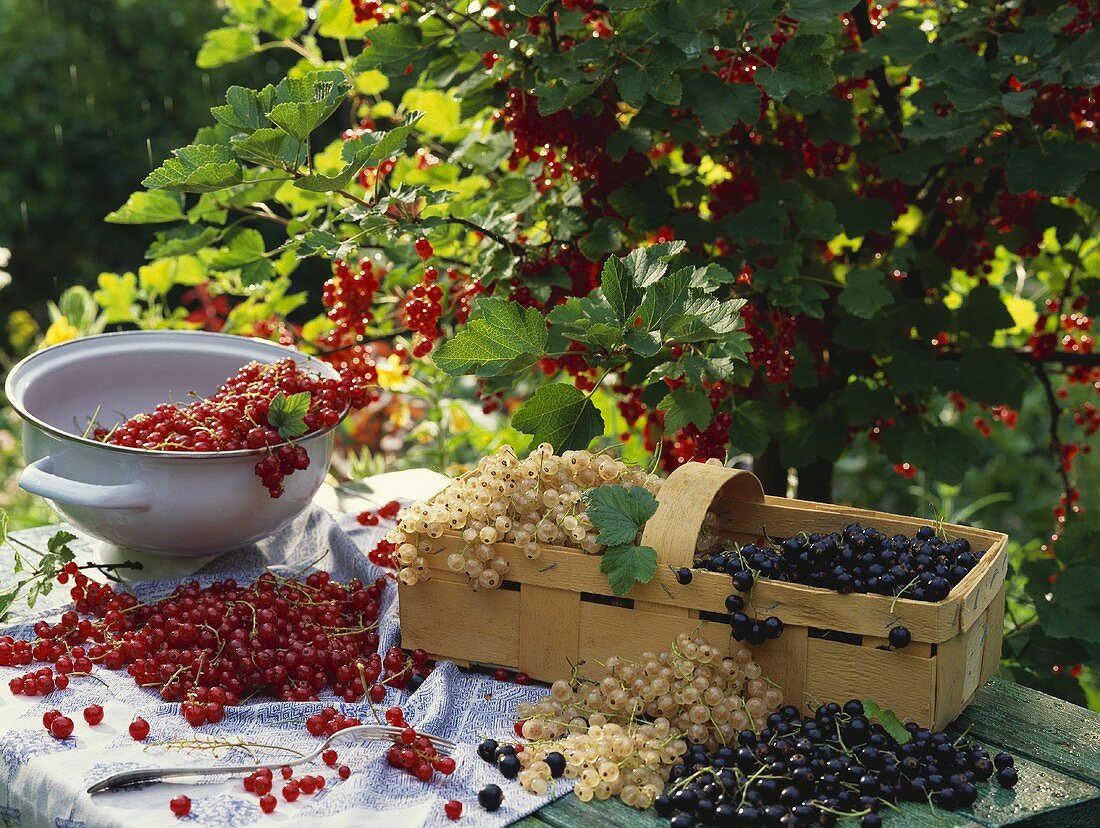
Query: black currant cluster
[
  {"x": 811, "y": 771},
  {"x": 922, "y": 568},
  {"x": 748, "y": 629}
]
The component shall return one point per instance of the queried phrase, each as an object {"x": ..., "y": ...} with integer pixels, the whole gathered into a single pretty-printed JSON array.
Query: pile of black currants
[
  {"x": 812, "y": 771},
  {"x": 922, "y": 568}
]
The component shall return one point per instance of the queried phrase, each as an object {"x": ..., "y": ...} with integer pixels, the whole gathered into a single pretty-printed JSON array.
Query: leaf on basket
[
  {"x": 626, "y": 564},
  {"x": 619, "y": 513},
  {"x": 888, "y": 719},
  {"x": 287, "y": 414}
]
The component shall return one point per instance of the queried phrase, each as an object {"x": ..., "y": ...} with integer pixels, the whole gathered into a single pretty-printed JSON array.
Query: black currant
[
  {"x": 556, "y": 762},
  {"x": 683, "y": 575},
  {"x": 490, "y": 797},
  {"x": 509, "y": 766},
  {"x": 900, "y": 638},
  {"x": 487, "y": 750},
  {"x": 1007, "y": 777}
]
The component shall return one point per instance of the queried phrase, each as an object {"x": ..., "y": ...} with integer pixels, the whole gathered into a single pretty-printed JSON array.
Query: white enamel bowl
[{"x": 169, "y": 503}]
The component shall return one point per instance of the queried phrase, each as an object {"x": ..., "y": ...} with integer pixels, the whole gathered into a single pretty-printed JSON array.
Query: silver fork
[{"x": 125, "y": 779}]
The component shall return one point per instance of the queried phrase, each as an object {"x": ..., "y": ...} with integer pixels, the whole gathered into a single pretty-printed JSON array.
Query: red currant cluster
[
  {"x": 60, "y": 726},
  {"x": 349, "y": 297},
  {"x": 424, "y": 305},
  {"x": 236, "y": 417},
  {"x": 209, "y": 647},
  {"x": 367, "y": 11},
  {"x": 521, "y": 678},
  {"x": 41, "y": 682},
  {"x": 416, "y": 754},
  {"x": 260, "y": 784},
  {"x": 1076, "y": 327},
  {"x": 773, "y": 353},
  {"x": 387, "y": 511},
  {"x": 329, "y": 721}
]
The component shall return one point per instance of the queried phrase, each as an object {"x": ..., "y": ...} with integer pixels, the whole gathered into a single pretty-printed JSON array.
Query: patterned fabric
[{"x": 43, "y": 781}]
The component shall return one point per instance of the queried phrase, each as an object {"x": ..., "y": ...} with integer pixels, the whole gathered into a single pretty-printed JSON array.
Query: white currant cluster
[
  {"x": 607, "y": 759},
  {"x": 529, "y": 503},
  {"x": 689, "y": 692}
]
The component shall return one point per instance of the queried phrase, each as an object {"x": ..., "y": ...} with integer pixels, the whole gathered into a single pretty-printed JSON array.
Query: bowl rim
[{"x": 66, "y": 436}]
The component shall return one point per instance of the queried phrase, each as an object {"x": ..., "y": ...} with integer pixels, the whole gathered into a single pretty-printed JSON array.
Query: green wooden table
[{"x": 1057, "y": 750}]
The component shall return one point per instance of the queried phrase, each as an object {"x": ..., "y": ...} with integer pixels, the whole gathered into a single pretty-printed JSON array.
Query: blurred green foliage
[{"x": 91, "y": 94}]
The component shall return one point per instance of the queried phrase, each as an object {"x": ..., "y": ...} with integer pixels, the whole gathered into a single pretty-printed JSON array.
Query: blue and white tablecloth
[{"x": 43, "y": 780}]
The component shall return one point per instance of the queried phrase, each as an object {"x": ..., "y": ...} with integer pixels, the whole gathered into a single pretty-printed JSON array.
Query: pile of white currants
[{"x": 532, "y": 502}]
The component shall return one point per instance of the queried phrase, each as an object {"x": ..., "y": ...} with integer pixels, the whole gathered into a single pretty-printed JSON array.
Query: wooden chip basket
[{"x": 559, "y": 610}]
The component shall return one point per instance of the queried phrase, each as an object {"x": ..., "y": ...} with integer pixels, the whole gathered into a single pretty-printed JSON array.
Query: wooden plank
[
  {"x": 1044, "y": 796},
  {"x": 549, "y": 630},
  {"x": 783, "y": 662},
  {"x": 627, "y": 633},
  {"x": 570, "y": 812},
  {"x": 837, "y": 672},
  {"x": 1028, "y": 723},
  {"x": 440, "y": 620},
  {"x": 917, "y": 648},
  {"x": 797, "y": 605}
]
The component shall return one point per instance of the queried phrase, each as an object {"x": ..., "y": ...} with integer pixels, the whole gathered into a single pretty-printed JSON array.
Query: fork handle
[{"x": 126, "y": 779}]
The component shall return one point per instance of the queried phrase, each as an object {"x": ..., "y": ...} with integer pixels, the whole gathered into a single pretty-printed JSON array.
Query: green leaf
[
  {"x": 559, "y": 95},
  {"x": 500, "y": 337},
  {"x": 983, "y": 313},
  {"x": 664, "y": 298},
  {"x": 148, "y": 208},
  {"x": 371, "y": 146},
  {"x": 287, "y": 414},
  {"x": 761, "y": 221},
  {"x": 389, "y": 44},
  {"x": 865, "y": 294},
  {"x": 619, "y": 289},
  {"x": 245, "y": 110},
  {"x": 116, "y": 295},
  {"x": 648, "y": 264},
  {"x": 619, "y": 513},
  {"x": 1055, "y": 169},
  {"x": 269, "y": 146},
  {"x": 801, "y": 68},
  {"x": 181, "y": 241},
  {"x": 889, "y": 721},
  {"x": 684, "y": 406},
  {"x": 720, "y": 105},
  {"x": 1018, "y": 103},
  {"x": 560, "y": 415},
  {"x": 604, "y": 237},
  {"x": 222, "y": 46},
  {"x": 307, "y": 102},
  {"x": 58, "y": 545},
  {"x": 197, "y": 168},
  {"x": 657, "y": 78},
  {"x": 627, "y": 565},
  {"x": 243, "y": 246},
  {"x": 993, "y": 376}
]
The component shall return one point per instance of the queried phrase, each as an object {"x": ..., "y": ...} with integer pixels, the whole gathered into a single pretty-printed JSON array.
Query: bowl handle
[{"x": 38, "y": 478}]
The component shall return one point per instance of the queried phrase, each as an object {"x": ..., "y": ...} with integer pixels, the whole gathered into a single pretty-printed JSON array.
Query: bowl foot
[{"x": 154, "y": 567}]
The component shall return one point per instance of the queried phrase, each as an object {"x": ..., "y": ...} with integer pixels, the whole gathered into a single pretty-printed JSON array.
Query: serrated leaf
[
  {"x": 865, "y": 293},
  {"x": 244, "y": 110},
  {"x": 801, "y": 68},
  {"x": 619, "y": 289},
  {"x": 627, "y": 565},
  {"x": 1055, "y": 169},
  {"x": 500, "y": 337},
  {"x": 148, "y": 207},
  {"x": 226, "y": 45},
  {"x": 720, "y": 105},
  {"x": 242, "y": 246},
  {"x": 197, "y": 168},
  {"x": 605, "y": 236},
  {"x": 287, "y": 414},
  {"x": 116, "y": 295},
  {"x": 664, "y": 298},
  {"x": 389, "y": 44},
  {"x": 648, "y": 264},
  {"x": 643, "y": 343},
  {"x": 58, "y": 545},
  {"x": 554, "y": 97},
  {"x": 181, "y": 241},
  {"x": 619, "y": 513},
  {"x": 560, "y": 415},
  {"x": 684, "y": 406},
  {"x": 372, "y": 146},
  {"x": 1018, "y": 103},
  {"x": 993, "y": 376},
  {"x": 889, "y": 721},
  {"x": 269, "y": 146}
]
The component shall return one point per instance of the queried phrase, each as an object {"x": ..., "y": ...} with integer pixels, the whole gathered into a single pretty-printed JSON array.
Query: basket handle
[{"x": 683, "y": 502}]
